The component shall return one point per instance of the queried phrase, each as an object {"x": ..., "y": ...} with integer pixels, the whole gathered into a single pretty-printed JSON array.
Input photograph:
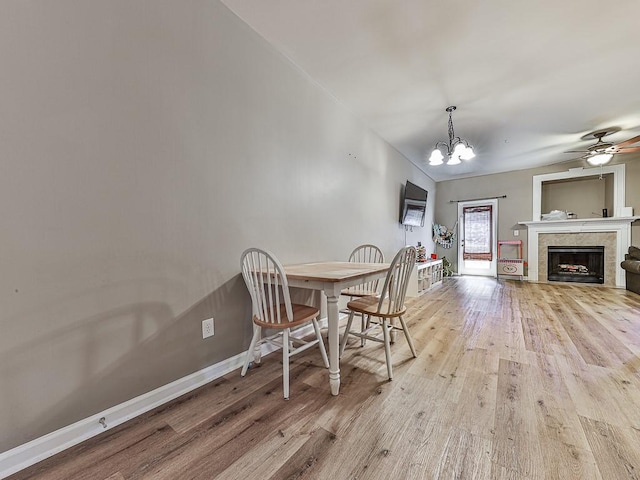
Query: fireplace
[{"x": 575, "y": 264}]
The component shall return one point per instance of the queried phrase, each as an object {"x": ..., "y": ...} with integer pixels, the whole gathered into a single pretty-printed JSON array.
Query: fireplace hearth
[{"x": 575, "y": 264}]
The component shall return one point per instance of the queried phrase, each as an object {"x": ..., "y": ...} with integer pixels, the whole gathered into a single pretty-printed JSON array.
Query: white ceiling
[{"x": 529, "y": 78}]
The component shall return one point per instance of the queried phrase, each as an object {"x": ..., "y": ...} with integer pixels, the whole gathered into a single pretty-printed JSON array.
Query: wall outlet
[
  {"x": 516, "y": 233},
  {"x": 207, "y": 328}
]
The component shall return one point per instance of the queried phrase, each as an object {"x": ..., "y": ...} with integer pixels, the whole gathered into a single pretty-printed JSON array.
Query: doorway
[{"x": 477, "y": 237}]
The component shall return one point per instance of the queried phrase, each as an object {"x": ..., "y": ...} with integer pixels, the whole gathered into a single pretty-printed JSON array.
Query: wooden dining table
[{"x": 332, "y": 278}]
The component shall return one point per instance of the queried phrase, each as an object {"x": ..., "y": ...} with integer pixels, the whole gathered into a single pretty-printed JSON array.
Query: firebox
[{"x": 575, "y": 264}]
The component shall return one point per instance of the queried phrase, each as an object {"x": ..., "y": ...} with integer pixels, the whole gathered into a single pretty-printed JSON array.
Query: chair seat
[
  {"x": 358, "y": 291},
  {"x": 301, "y": 314},
  {"x": 369, "y": 306}
]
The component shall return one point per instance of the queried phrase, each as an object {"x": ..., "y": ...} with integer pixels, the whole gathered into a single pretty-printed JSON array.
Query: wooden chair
[
  {"x": 387, "y": 307},
  {"x": 366, "y": 253},
  {"x": 272, "y": 309}
]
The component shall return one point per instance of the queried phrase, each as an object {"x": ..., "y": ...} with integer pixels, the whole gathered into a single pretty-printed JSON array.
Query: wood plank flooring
[{"x": 514, "y": 380}]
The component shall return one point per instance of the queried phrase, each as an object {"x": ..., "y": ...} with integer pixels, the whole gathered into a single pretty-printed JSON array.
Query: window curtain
[{"x": 478, "y": 233}]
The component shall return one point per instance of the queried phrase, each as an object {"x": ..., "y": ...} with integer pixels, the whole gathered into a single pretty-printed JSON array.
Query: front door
[{"x": 477, "y": 242}]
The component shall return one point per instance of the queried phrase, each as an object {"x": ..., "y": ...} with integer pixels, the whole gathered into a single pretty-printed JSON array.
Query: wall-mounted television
[{"x": 414, "y": 205}]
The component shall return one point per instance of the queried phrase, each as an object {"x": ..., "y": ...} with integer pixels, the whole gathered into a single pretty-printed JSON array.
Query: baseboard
[{"x": 30, "y": 453}]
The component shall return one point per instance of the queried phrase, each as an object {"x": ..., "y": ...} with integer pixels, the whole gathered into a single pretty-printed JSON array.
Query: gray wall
[
  {"x": 145, "y": 145},
  {"x": 585, "y": 197},
  {"x": 517, "y": 207}
]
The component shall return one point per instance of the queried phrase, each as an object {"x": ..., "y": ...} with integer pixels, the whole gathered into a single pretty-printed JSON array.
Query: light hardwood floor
[{"x": 513, "y": 380}]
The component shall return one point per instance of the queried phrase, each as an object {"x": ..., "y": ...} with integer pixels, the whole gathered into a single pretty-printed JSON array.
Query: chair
[
  {"x": 272, "y": 309},
  {"x": 366, "y": 253},
  {"x": 387, "y": 307}
]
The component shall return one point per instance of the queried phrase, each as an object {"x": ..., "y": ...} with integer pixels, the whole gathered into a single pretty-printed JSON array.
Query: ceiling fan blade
[
  {"x": 631, "y": 141},
  {"x": 601, "y": 146},
  {"x": 629, "y": 150}
]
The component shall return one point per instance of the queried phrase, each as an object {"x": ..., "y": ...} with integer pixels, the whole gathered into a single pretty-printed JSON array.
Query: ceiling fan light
[
  {"x": 436, "y": 157},
  {"x": 600, "y": 159}
]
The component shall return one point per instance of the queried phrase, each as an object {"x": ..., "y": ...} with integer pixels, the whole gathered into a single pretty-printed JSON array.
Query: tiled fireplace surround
[
  {"x": 588, "y": 239},
  {"x": 612, "y": 233}
]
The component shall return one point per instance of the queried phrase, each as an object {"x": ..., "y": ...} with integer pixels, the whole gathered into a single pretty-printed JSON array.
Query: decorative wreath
[{"x": 444, "y": 236}]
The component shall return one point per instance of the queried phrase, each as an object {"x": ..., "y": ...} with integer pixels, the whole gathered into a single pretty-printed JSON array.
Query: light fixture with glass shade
[
  {"x": 455, "y": 151},
  {"x": 601, "y": 152},
  {"x": 599, "y": 159}
]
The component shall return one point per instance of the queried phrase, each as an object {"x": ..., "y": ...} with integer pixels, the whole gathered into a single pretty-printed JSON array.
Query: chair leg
[
  {"x": 323, "y": 351},
  {"x": 285, "y": 363},
  {"x": 345, "y": 336},
  {"x": 387, "y": 346},
  {"x": 363, "y": 327},
  {"x": 392, "y": 322},
  {"x": 408, "y": 335},
  {"x": 250, "y": 353},
  {"x": 257, "y": 352}
]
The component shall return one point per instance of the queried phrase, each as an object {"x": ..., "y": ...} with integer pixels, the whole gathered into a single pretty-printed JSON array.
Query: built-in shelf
[
  {"x": 618, "y": 172},
  {"x": 424, "y": 277}
]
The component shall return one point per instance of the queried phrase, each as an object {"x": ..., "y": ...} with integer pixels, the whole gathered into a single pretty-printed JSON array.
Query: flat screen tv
[{"x": 414, "y": 205}]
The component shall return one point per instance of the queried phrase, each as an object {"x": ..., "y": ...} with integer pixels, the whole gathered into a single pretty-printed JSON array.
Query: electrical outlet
[
  {"x": 516, "y": 233},
  {"x": 207, "y": 328}
]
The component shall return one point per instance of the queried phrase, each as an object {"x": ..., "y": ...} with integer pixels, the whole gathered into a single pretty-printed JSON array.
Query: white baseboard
[
  {"x": 28, "y": 454},
  {"x": 32, "y": 452}
]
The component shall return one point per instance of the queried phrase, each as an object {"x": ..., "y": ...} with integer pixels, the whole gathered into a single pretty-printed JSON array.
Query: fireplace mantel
[
  {"x": 573, "y": 224},
  {"x": 621, "y": 226}
]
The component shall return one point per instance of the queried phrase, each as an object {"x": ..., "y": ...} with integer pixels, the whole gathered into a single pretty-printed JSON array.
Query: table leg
[{"x": 334, "y": 342}]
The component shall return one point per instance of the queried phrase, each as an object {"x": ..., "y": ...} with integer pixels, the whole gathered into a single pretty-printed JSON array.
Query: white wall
[{"x": 145, "y": 145}]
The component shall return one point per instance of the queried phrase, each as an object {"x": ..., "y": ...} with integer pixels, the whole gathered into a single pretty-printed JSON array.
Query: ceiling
[{"x": 529, "y": 78}]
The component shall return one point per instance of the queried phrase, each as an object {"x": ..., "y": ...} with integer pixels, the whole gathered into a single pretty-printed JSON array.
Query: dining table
[{"x": 331, "y": 278}]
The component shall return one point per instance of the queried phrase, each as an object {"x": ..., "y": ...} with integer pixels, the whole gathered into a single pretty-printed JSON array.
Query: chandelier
[{"x": 456, "y": 150}]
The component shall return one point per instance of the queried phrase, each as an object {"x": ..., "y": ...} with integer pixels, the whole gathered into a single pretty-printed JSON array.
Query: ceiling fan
[{"x": 602, "y": 152}]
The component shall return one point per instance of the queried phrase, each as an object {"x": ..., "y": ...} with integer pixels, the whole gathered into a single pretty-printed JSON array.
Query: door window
[{"x": 478, "y": 228}]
